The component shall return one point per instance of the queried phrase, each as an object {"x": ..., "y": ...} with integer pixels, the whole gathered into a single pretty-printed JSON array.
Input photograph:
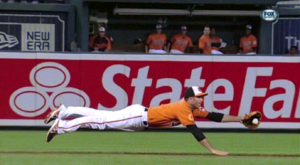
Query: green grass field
[{"x": 103, "y": 147}]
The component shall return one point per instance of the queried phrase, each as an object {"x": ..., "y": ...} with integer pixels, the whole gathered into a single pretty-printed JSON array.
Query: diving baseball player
[{"x": 137, "y": 117}]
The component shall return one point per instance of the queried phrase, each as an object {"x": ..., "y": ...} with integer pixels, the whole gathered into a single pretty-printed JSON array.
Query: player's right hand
[{"x": 222, "y": 153}]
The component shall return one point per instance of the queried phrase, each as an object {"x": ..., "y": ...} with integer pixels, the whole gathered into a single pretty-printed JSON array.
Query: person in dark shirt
[
  {"x": 215, "y": 41},
  {"x": 100, "y": 42},
  {"x": 293, "y": 50}
]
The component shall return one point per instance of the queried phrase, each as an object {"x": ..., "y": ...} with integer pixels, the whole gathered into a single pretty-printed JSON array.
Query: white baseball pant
[
  {"x": 156, "y": 51},
  {"x": 216, "y": 52},
  {"x": 174, "y": 51},
  {"x": 251, "y": 53},
  {"x": 131, "y": 118}
]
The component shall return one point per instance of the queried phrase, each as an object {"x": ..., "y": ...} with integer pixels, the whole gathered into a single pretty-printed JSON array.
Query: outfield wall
[{"x": 32, "y": 84}]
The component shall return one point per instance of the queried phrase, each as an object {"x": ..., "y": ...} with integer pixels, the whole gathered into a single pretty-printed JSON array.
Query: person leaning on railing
[
  {"x": 248, "y": 43},
  {"x": 179, "y": 42},
  {"x": 100, "y": 42},
  {"x": 156, "y": 42},
  {"x": 293, "y": 51}
]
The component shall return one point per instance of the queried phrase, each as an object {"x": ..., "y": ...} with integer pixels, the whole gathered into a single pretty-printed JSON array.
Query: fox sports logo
[{"x": 269, "y": 15}]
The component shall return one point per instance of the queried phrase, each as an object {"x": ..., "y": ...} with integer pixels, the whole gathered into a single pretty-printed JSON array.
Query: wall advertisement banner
[{"x": 33, "y": 83}]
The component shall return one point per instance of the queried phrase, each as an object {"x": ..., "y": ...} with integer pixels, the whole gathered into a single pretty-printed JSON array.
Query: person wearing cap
[
  {"x": 179, "y": 42},
  {"x": 204, "y": 43},
  {"x": 215, "y": 41},
  {"x": 100, "y": 42},
  {"x": 248, "y": 43},
  {"x": 137, "y": 117},
  {"x": 156, "y": 43}
]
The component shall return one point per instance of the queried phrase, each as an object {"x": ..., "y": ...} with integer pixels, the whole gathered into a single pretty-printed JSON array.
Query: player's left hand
[{"x": 247, "y": 121}]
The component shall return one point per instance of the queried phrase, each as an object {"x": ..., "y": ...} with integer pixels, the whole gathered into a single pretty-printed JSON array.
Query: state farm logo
[
  {"x": 7, "y": 41},
  {"x": 49, "y": 88}
]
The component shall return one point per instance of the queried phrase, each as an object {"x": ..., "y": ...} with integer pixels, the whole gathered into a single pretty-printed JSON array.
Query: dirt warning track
[{"x": 146, "y": 153}]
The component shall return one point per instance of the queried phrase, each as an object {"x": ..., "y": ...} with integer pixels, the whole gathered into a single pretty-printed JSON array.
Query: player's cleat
[
  {"x": 53, "y": 114},
  {"x": 52, "y": 131}
]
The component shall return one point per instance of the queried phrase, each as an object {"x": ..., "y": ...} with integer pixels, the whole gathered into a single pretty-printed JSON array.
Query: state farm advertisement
[{"x": 32, "y": 84}]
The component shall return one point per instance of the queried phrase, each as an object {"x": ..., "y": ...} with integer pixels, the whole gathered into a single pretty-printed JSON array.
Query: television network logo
[{"x": 269, "y": 15}]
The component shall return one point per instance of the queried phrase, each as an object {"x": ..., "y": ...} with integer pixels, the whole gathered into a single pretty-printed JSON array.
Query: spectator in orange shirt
[
  {"x": 204, "y": 41},
  {"x": 215, "y": 42},
  {"x": 248, "y": 43},
  {"x": 179, "y": 42},
  {"x": 100, "y": 42},
  {"x": 156, "y": 43},
  {"x": 293, "y": 50}
]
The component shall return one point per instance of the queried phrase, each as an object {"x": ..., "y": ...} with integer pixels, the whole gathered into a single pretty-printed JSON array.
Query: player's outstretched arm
[
  {"x": 217, "y": 117},
  {"x": 228, "y": 118},
  {"x": 202, "y": 140},
  {"x": 220, "y": 117},
  {"x": 206, "y": 144}
]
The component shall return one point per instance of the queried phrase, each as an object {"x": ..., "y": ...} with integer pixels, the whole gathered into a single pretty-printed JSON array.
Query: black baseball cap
[{"x": 194, "y": 91}]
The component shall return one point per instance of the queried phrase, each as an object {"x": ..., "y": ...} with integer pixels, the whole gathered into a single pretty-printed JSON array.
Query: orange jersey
[
  {"x": 162, "y": 116},
  {"x": 157, "y": 41},
  {"x": 100, "y": 43},
  {"x": 215, "y": 39},
  {"x": 204, "y": 43},
  {"x": 247, "y": 43},
  {"x": 180, "y": 42}
]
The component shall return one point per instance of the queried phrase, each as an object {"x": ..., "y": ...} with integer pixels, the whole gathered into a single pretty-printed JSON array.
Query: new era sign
[
  {"x": 32, "y": 32},
  {"x": 38, "y": 37},
  {"x": 10, "y": 36}
]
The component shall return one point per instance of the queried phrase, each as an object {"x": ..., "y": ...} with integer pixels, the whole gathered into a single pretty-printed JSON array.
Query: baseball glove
[{"x": 247, "y": 121}]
